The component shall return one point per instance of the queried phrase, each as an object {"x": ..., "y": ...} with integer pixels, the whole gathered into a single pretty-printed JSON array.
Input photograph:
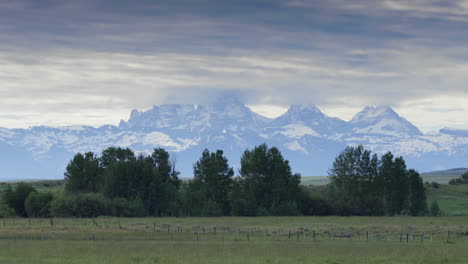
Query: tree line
[{"x": 121, "y": 183}]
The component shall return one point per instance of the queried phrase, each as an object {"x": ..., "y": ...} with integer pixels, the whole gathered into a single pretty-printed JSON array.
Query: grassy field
[
  {"x": 234, "y": 240},
  {"x": 452, "y": 199}
]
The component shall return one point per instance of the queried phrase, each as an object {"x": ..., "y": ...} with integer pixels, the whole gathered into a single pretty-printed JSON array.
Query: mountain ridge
[{"x": 307, "y": 137}]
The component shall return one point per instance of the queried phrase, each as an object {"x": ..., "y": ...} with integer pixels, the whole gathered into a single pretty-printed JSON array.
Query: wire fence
[{"x": 113, "y": 229}]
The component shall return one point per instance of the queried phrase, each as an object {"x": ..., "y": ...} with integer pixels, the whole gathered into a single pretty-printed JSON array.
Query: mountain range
[{"x": 307, "y": 137}]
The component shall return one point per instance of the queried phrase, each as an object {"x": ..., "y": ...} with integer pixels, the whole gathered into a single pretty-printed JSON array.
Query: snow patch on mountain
[
  {"x": 296, "y": 146},
  {"x": 297, "y": 131},
  {"x": 309, "y": 138}
]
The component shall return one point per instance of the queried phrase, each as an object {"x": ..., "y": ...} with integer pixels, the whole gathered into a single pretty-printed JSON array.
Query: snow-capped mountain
[
  {"x": 382, "y": 120},
  {"x": 306, "y": 136}
]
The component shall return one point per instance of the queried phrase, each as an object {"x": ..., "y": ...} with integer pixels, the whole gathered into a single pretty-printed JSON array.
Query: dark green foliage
[
  {"x": 435, "y": 209},
  {"x": 16, "y": 199},
  {"x": 464, "y": 177},
  {"x": 81, "y": 205},
  {"x": 212, "y": 183},
  {"x": 63, "y": 206},
  {"x": 39, "y": 204},
  {"x": 267, "y": 185},
  {"x": 6, "y": 210},
  {"x": 364, "y": 185},
  {"x": 149, "y": 184},
  {"x": 83, "y": 173},
  {"x": 456, "y": 181},
  {"x": 120, "y": 184},
  {"x": 417, "y": 194},
  {"x": 115, "y": 155},
  {"x": 356, "y": 183},
  {"x": 462, "y": 180}
]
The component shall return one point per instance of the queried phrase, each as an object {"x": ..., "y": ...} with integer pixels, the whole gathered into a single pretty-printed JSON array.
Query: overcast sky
[{"x": 92, "y": 61}]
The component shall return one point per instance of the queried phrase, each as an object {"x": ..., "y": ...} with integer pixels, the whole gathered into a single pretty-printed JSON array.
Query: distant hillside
[
  {"x": 443, "y": 176},
  {"x": 314, "y": 180},
  {"x": 452, "y": 199}
]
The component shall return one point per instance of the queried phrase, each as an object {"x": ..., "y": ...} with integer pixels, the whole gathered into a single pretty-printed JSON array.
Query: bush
[
  {"x": 85, "y": 205},
  {"x": 464, "y": 177},
  {"x": 91, "y": 205},
  {"x": 38, "y": 204},
  {"x": 435, "y": 209},
  {"x": 126, "y": 208},
  {"x": 285, "y": 208},
  {"x": 456, "y": 181},
  {"x": 5, "y": 210},
  {"x": 16, "y": 199},
  {"x": 63, "y": 206}
]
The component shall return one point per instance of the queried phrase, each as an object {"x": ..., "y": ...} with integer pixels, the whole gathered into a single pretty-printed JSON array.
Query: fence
[{"x": 113, "y": 229}]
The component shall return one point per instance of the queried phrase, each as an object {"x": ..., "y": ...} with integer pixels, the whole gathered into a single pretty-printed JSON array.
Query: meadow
[
  {"x": 235, "y": 240},
  {"x": 330, "y": 240}
]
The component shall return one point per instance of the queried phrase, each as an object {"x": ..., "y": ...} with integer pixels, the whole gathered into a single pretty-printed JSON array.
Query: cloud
[{"x": 72, "y": 59}]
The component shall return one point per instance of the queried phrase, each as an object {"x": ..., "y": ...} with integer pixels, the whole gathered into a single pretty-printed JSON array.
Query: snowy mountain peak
[
  {"x": 383, "y": 120},
  {"x": 308, "y": 137},
  {"x": 311, "y": 117},
  {"x": 304, "y": 108},
  {"x": 370, "y": 113}
]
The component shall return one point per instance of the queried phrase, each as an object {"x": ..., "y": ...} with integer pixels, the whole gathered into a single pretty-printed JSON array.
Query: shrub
[
  {"x": 5, "y": 210},
  {"x": 85, "y": 205},
  {"x": 38, "y": 204},
  {"x": 16, "y": 199},
  {"x": 456, "y": 181},
  {"x": 435, "y": 209}
]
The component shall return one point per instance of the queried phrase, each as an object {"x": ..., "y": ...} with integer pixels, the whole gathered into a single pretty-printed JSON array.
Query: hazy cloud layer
[{"x": 90, "y": 62}]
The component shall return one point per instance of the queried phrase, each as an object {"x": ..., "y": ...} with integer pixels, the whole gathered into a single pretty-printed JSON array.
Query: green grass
[
  {"x": 146, "y": 240},
  {"x": 315, "y": 180},
  {"x": 452, "y": 199},
  {"x": 40, "y": 185}
]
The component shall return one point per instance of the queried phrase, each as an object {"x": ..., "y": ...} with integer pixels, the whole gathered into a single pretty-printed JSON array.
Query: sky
[{"x": 92, "y": 61}]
